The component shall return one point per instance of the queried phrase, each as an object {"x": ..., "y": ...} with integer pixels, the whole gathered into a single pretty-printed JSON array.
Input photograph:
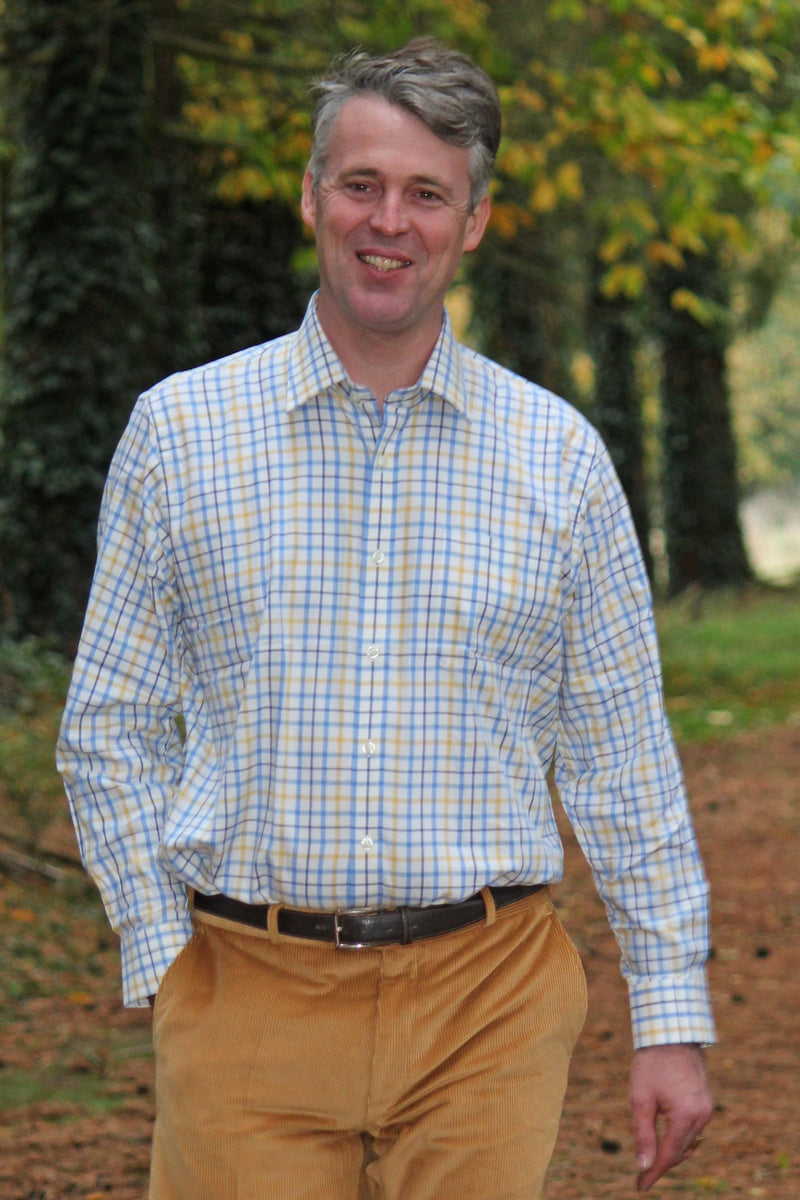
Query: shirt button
[
  {"x": 367, "y": 844},
  {"x": 382, "y": 461},
  {"x": 368, "y": 747},
  {"x": 373, "y": 652},
  {"x": 378, "y": 556}
]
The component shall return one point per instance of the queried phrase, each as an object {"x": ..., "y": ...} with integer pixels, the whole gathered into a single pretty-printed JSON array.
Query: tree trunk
[
  {"x": 520, "y": 307},
  {"x": 78, "y": 284},
  {"x": 249, "y": 292},
  {"x": 701, "y": 493},
  {"x": 617, "y": 412}
]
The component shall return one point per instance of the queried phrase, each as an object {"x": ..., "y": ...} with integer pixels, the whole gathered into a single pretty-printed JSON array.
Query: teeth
[{"x": 383, "y": 264}]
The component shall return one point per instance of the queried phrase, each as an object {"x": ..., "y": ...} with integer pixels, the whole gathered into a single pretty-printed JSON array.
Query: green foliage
[
  {"x": 150, "y": 143},
  {"x": 79, "y": 251},
  {"x": 667, "y": 123},
  {"x": 150, "y": 140},
  {"x": 28, "y": 776},
  {"x": 642, "y": 138},
  {"x": 247, "y": 70},
  {"x": 33, "y": 683},
  {"x": 765, "y": 369},
  {"x": 32, "y": 677}
]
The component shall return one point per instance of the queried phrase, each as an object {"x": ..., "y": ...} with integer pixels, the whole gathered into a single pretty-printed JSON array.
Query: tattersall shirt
[{"x": 378, "y": 634}]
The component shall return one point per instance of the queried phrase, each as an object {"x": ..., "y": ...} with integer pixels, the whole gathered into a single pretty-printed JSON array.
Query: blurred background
[
  {"x": 642, "y": 257},
  {"x": 642, "y": 260}
]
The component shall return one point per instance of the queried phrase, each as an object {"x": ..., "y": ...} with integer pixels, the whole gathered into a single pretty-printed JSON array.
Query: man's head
[
  {"x": 439, "y": 86},
  {"x": 396, "y": 193}
]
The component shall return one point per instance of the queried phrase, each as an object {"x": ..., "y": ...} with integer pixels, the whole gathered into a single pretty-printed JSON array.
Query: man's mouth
[{"x": 381, "y": 263}]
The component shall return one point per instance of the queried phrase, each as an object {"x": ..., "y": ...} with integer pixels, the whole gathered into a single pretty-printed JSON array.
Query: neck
[{"x": 382, "y": 361}]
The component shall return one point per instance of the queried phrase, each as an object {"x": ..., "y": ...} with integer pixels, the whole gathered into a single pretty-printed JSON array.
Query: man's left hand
[{"x": 671, "y": 1105}]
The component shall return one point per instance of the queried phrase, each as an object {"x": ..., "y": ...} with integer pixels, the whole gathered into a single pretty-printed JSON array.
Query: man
[{"x": 382, "y": 584}]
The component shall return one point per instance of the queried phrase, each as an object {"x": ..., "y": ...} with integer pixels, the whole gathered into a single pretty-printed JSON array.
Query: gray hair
[{"x": 443, "y": 88}]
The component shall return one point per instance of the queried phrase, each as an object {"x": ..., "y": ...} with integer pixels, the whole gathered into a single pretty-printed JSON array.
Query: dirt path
[
  {"x": 746, "y": 799},
  {"x": 76, "y": 1076}
]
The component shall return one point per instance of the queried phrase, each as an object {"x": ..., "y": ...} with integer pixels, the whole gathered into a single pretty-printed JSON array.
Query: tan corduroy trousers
[{"x": 291, "y": 1070}]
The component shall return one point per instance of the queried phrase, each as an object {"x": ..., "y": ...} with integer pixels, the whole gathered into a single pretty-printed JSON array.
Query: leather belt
[{"x": 356, "y": 930}]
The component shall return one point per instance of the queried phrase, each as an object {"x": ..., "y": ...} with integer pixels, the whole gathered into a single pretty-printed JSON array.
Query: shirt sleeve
[
  {"x": 120, "y": 748},
  {"x": 619, "y": 776}
]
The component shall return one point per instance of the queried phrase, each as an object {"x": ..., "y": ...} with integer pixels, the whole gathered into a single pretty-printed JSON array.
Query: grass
[
  {"x": 731, "y": 662},
  {"x": 90, "y": 1089}
]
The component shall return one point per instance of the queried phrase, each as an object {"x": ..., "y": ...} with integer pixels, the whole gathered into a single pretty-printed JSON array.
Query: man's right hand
[{"x": 671, "y": 1104}]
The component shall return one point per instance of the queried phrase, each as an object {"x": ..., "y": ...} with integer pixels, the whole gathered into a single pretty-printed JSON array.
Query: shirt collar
[{"x": 313, "y": 367}]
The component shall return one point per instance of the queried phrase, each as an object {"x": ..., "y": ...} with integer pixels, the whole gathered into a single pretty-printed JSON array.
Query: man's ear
[
  {"x": 476, "y": 223},
  {"x": 308, "y": 202}
]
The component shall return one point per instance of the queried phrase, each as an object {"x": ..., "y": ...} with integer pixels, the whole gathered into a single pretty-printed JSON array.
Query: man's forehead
[
  {"x": 368, "y": 103},
  {"x": 369, "y": 131}
]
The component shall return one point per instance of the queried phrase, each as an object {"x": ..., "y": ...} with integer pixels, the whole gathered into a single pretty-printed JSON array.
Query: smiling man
[
  {"x": 393, "y": 213},
  {"x": 357, "y": 590}
]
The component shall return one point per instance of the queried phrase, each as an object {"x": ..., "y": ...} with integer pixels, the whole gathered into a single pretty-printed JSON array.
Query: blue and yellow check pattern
[{"x": 377, "y": 635}]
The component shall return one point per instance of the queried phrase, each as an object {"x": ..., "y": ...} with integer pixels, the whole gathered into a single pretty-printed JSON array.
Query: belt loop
[
  {"x": 272, "y": 923},
  {"x": 491, "y": 907},
  {"x": 405, "y": 914}
]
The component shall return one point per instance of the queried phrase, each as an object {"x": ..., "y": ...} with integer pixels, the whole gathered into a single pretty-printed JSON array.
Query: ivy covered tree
[
  {"x": 613, "y": 333},
  {"x": 151, "y": 218},
  {"x": 701, "y": 491},
  {"x": 120, "y": 265},
  {"x": 527, "y": 313},
  {"x": 249, "y": 289},
  {"x": 151, "y": 222},
  {"x": 79, "y": 244}
]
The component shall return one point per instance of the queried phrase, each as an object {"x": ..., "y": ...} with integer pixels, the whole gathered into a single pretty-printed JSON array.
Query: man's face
[{"x": 392, "y": 218}]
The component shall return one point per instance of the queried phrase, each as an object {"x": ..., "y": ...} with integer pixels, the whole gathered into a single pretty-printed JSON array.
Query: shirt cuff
[
  {"x": 671, "y": 1009},
  {"x": 147, "y": 954}
]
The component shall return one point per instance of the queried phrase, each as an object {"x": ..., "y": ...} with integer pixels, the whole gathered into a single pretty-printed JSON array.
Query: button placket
[
  {"x": 374, "y": 604},
  {"x": 375, "y": 648},
  {"x": 372, "y": 651}
]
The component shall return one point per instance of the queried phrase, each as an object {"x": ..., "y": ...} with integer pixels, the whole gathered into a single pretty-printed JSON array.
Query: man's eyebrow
[
  {"x": 432, "y": 182},
  {"x": 371, "y": 172}
]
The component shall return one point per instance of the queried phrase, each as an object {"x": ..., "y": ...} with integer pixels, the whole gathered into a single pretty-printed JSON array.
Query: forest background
[{"x": 641, "y": 259}]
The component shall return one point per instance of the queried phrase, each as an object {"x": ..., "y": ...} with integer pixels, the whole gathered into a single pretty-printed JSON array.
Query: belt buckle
[{"x": 337, "y": 929}]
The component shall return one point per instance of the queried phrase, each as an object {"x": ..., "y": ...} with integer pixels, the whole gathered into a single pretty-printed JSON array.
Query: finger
[
  {"x": 644, "y": 1134},
  {"x": 671, "y": 1151},
  {"x": 660, "y": 1165}
]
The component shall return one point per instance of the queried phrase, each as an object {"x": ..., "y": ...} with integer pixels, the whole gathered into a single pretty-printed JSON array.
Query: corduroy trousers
[{"x": 290, "y": 1070}]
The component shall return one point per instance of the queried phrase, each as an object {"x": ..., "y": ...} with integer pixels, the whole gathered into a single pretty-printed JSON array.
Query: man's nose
[{"x": 390, "y": 215}]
